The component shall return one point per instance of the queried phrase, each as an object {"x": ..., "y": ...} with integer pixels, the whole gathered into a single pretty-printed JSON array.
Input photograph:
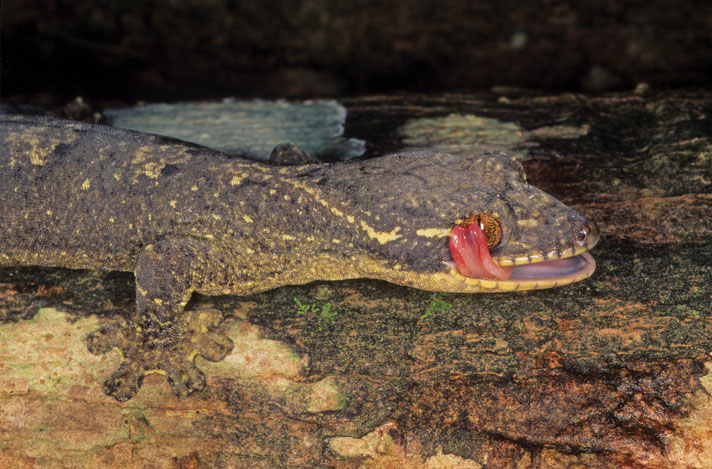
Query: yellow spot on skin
[
  {"x": 111, "y": 219},
  {"x": 287, "y": 237},
  {"x": 153, "y": 170},
  {"x": 272, "y": 192},
  {"x": 336, "y": 241},
  {"x": 158, "y": 301},
  {"x": 286, "y": 197},
  {"x": 433, "y": 232},
  {"x": 237, "y": 179},
  {"x": 217, "y": 217},
  {"x": 86, "y": 184},
  {"x": 38, "y": 151},
  {"x": 381, "y": 236},
  {"x": 49, "y": 212},
  {"x": 528, "y": 222},
  {"x": 173, "y": 203},
  {"x": 247, "y": 219},
  {"x": 194, "y": 188},
  {"x": 141, "y": 154}
]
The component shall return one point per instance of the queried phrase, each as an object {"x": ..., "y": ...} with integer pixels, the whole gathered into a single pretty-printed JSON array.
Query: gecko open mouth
[{"x": 470, "y": 252}]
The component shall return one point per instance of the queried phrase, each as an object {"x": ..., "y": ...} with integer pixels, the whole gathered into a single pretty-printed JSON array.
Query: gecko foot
[{"x": 168, "y": 349}]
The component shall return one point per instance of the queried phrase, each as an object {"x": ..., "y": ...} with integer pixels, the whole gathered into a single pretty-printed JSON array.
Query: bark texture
[{"x": 609, "y": 372}]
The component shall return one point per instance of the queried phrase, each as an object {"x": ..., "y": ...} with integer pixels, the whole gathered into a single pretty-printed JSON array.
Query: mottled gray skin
[{"x": 186, "y": 218}]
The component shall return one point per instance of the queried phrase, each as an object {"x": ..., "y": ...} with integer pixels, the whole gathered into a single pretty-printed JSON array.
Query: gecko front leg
[{"x": 161, "y": 337}]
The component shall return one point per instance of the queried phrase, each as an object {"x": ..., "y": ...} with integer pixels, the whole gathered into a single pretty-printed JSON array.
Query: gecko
[{"x": 185, "y": 218}]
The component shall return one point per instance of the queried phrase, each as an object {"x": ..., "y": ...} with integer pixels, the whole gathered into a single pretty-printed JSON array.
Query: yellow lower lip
[
  {"x": 515, "y": 284},
  {"x": 454, "y": 282}
]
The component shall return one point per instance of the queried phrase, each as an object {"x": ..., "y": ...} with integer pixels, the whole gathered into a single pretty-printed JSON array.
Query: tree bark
[{"x": 609, "y": 372}]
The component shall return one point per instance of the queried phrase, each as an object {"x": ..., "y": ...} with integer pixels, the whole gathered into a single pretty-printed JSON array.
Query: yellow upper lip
[{"x": 587, "y": 237}]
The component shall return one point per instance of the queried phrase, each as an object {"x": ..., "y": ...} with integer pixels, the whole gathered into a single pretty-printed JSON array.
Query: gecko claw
[{"x": 172, "y": 354}]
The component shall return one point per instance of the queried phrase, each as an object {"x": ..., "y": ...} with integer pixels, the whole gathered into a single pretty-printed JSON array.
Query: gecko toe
[
  {"x": 125, "y": 382},
  {"x": 185, "y": 379},
  {"x": 213, "y": 347},
  {"x": 208, "y": 318},
  {"x": 106, "y": 338},
  {"x": 209, "y": 345}
]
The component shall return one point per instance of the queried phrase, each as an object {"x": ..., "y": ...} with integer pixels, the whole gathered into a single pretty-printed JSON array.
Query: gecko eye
[{"x": 488, "y": 224}]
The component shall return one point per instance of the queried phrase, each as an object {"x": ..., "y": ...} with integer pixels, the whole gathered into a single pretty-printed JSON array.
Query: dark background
[{"x": 184, "y": 49}]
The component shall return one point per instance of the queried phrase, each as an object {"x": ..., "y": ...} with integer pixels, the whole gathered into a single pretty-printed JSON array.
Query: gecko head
[{"x": 450, "y": 223}]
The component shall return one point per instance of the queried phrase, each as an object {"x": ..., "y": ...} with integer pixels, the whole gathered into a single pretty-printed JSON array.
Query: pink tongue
[{"x": 472, "y": 258}]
